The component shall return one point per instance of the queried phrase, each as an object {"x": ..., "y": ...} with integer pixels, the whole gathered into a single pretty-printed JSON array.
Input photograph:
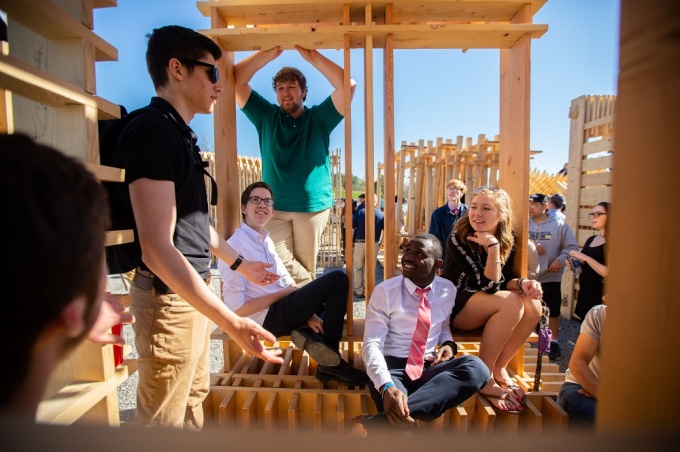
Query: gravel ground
[{"x": 127, "y": 391}]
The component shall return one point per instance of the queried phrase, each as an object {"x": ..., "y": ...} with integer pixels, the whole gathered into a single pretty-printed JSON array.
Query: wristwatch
[{"x": 238, "y": 261}]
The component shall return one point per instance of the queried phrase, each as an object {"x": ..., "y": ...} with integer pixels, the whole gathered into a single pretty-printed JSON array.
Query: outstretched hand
[
  {"x": 257, "y": 272},
  {"x": 111, "y": 313},
  {"x": 248, "y": 334}
]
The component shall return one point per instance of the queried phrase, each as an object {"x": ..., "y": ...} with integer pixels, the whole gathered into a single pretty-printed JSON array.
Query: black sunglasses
[{"x": 213, "y": 73}]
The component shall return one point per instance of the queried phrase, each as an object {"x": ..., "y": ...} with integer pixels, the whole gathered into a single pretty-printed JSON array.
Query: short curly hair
[{"x": 291, "y": 74}]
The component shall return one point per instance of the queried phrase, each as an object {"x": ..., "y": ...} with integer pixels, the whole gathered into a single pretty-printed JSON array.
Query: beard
[{"x": 291, "y": 107}]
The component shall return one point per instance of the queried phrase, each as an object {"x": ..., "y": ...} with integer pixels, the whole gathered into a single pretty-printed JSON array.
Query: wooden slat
[
  {"x": 52, "y": 22},
  {"x": 592, "y": 195},
  {"x": 119, "y": 237},
  {"x": 605, "y": 178},
  {"x": 597, "y": 163},
  {"x": 602, "y": 145},
  {"x": 106, "y": 173},
  {"x": 456, "y": 36},
  {"x": 40, "y": 86},
  {"x": 599, "y": 122},
  {"x": 245, "y": 12},
  {"x": 74, "y": 400}
]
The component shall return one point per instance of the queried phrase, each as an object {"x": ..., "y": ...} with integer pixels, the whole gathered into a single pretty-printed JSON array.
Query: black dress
[
  {"x": 591, "y": 283},
  {"x": 464, "y": 267}
]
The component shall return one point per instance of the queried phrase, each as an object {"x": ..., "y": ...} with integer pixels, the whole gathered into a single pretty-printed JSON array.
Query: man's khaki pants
[
  {"x": 296, "y": 236},
  {"x": 173, "y": 343}
]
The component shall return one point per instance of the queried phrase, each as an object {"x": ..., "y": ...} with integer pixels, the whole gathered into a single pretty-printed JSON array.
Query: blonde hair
[
  {"x": 456, "y": 183},
  {"x": 503, "y": 233}
]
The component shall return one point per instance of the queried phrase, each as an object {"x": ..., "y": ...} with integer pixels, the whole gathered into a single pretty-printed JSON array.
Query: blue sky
[{"x": 438, "y": 93}]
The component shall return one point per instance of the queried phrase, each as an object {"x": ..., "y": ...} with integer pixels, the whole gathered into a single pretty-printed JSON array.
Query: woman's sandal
[
  {"x": 511, "y": 389},
  {"x": 489, "y": 398}
]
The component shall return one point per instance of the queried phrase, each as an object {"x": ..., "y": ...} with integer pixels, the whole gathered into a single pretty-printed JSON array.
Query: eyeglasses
[
  {"x": 213, "y": 73},
  {"x": 257, "y": 200},
  {"x": 455, "y": 188},
  {"x": 596, "y": 214},
  {"x": 490, "y": 188}
]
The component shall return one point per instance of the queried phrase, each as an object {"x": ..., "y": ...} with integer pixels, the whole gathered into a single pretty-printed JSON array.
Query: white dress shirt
[
  {"x": 391, "y": 317},
  {"x": 253, "y": 246}
]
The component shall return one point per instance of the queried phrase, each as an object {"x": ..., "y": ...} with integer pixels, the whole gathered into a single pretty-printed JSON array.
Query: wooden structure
[
  {"x": 252, "y": 395},
  {"x": 47, "y": 90},
  {"x": 647, "y": 101},
  {"x": 249, "y": 25},
  {"x": 501, "y": 24},
  {"x": 590, "y": 173}
]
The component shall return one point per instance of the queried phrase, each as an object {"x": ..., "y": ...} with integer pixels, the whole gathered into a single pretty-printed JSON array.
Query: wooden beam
[
  {"x": 412, "y": 36},
  {"x": 246, "y": 12},
  {"x": 369, "y": 262},
  {"x": 515, "y": 85},
  {"x": 52, "y": 22},
  {"x": 226, "y": 163},
  {"x": 40, "y": 86},
  {"x": 647, "y": 115}
]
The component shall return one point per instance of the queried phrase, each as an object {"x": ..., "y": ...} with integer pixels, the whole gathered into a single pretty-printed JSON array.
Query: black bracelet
[
  {"x": 238, "y": 261},
  {"x": 493, "y": 244}
]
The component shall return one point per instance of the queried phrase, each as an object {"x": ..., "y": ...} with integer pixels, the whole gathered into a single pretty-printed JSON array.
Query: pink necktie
[
  {"x": 455, "y": 212},
  {"x": 416, "y": 355}
]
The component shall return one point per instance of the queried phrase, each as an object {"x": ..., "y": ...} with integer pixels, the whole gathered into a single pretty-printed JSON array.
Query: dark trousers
[
  {"x": 581, "y": 409},
  {"x": 325, "y": 296},
  {"x": 440, "y": 388}
]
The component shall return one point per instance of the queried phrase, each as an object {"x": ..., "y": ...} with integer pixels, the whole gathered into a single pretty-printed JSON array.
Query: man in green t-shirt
[{"x": 294, "y": 141}]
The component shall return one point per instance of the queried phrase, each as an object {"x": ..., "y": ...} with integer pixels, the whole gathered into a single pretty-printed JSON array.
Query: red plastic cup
[{"x": 117, "y": 349}]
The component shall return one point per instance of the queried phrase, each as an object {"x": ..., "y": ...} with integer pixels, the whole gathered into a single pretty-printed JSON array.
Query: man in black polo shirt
[{"x": 169, "y": 295}]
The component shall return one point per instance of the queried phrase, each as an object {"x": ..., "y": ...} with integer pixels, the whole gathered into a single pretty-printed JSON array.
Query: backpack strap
[{"x": 199, "y": 163}]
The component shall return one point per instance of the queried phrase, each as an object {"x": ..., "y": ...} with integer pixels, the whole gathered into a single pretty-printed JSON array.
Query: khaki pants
[
  {"x": 296, "y": 236},
  {"x": 173, "y": 343},
  {"x": 359, "y": 256}
]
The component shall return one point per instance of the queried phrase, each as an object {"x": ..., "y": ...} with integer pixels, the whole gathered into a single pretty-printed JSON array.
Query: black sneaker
[
  {"x": 315, "y": 345},
  {"x": 342, "y": 373},
  {"x": 555, "y": 353}
]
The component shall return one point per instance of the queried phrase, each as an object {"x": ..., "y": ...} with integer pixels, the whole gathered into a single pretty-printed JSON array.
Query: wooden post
[
  {"x": 643, "y": 270},
  {"x": 515, "y": 70},
  {"x": 369, "y": 262},
  {"x": 226, "y": 161}
]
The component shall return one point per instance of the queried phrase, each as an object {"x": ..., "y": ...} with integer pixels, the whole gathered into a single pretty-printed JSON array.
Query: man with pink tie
[{"x": 408, "y": 347}]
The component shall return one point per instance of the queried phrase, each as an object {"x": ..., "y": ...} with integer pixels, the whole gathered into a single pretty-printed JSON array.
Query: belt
[
  {"x": 147, "y": 281},
  {"x": 363, "y": 241}
]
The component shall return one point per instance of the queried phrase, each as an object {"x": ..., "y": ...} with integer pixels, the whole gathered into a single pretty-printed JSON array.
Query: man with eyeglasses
[
  {"x": 554, "y": 240},
  {"x": 294, "y": 143},
  {"x": 313, "y": 315},
  {"x": 444, "y": 217},
  {"x": 171, "y": 296}
]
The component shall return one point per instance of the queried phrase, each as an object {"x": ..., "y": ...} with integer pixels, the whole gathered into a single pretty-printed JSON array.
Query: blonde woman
[{"x": 480, "y": 263}]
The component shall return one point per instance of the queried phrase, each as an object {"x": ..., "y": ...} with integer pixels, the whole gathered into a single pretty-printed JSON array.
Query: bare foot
[
  {"x": 508, "y": 385},
  {"x": 500, "y": 399}
]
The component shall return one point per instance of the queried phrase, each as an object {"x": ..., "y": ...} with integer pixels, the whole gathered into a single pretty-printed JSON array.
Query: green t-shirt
[{"x": 295, "y": 157}]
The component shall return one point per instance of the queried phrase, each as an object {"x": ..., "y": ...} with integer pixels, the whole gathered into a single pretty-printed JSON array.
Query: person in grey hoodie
[{"x": 554, "y": 240}]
